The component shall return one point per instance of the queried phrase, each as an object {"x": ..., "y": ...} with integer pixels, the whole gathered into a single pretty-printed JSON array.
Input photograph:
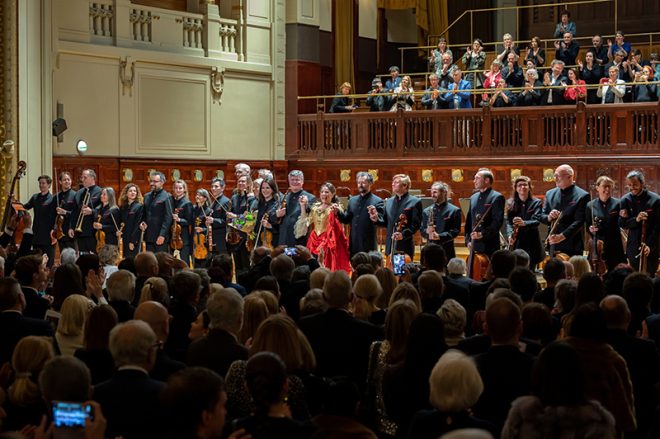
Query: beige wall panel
[
  {"x": 172, "y": 114},
  {"x": 368, "y": 17},
  {"x": 401, "y": 26},
  {"x": 89, "y": 89},
  {"x": 325, "y": 14},
  {"x": 243, "y": 131},
  {"x": 258, "y": 42},
  {"x": 259, "y": 9}
]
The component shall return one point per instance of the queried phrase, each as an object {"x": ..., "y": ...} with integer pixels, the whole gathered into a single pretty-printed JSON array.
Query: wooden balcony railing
[{"x": 582, "y": 129}]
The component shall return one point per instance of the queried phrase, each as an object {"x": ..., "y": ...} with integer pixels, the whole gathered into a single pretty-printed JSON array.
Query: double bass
[{"x": 13, "y": 207}]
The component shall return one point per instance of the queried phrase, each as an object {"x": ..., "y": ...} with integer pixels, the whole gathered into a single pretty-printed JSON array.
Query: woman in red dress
[{"x": 327, "y": 240}]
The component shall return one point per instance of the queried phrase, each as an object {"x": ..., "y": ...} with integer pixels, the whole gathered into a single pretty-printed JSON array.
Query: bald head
[
  {"x": 564, "y": 176},
  {"x": 156, "y": 316},
  {"x": 616, "y": 312}
]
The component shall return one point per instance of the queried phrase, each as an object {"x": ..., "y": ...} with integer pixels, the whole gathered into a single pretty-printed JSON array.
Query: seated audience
[
  {"x": 186, "y": 286},
  {"x": 155, "y": 289},
  {"x": 342, "y": 103},
  {"x": 567, "y": 49},
  {"x": 531, "y": 93},
  {"x": 554, "y": 79},
  {"x": 565, "y": 25},
  {"x": 455, "y": 97},
  {"x": 575, "y": 89},
  {"x": 434, "y": 98},
  {"x": 403, "y": 97},
  {"x": 338, "y": 420},
  {"x": 71, "y": 326},
  {"x": 30, "y": 271},
  {"x": 454, "y": 319},
  {"x": 502, "y": 96},
  {"x": 96, "y": 352},
  {"x": 643, "y": 91},
  {"x": 612, "y": 89},
  {"x": 512, "y": 72},
  {"x": 121, "y": 289},
  {"x": 378, "y": 101},
  {"x": 367, "y": 291}
]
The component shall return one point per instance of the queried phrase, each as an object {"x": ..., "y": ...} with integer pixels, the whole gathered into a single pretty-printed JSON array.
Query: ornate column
[{"x": 9, "y": 97}]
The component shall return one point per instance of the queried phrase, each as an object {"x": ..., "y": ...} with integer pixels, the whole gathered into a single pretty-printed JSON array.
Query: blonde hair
[
  {"x": 30, "y": 355},
  {"x": 75, "y": 309},
  {"x": 406, "y": 290},
  {"x": 255, "y": 311},
  {"x": 580, "y": 266},
  {"x": 455, "y": 383},
  {"x": 367, "y": 287},
  {"x": 403, "y": 178},
  {"x": 269, "y": 299},
  {"x": 279, "y": 334},
  {"x": 398, "y": 319},
  {"x": 155, "y": 290},
  {"x": 346, "y": 84}
]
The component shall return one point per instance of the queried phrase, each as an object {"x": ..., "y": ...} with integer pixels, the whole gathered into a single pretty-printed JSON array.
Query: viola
[
  {"x": 478, "y": 263},
  {"x": 176, "y": 242},
  {"x": 199, "y": 241},
  {"x": 596, "y": 261},
  {"x": 100, "y": 236}
]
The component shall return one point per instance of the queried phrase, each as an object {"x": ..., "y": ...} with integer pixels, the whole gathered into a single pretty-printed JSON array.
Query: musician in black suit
[
  {"x": 363, "y": 230},
  {"x": 44, "y": 218},
  {"x": 110, "y": 216},
  {"x": 638, "y": 207},
  {"x": 291, "y": 212},
  {"x": 65, "y": 202},
  {"x": 401, "y": 203},
  {"x": 87, "y": 200},
  {"x": 242, "y": 201},
  {"x": 488, "y": 204},
  {"x": 220, "y": 205},
  {"x": 441, "y": 221},
  {"x": 131, "y": 209},
  {"x": 522, "y": 220},
  {"x": 570, "y": 202},
  {"x": 182, "y": 214},
  {"x": 602, "y": 219},
  {"x": 157, "y": 215}
]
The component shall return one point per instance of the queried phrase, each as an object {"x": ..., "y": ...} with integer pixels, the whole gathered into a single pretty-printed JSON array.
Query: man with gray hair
[
  {"x": 157, "y": 214},
  {"x": 68, "y": 256},
  {"x": 130, "y": 398},
  {"x": 241, "y": 169},
  {"x": 220, "y": 347},
  {"x": 363, "y": 230},
  {"x": 289, "y": 210},
  {"x": 121, "y": 289},
  {"x": 441, "y": 221}
]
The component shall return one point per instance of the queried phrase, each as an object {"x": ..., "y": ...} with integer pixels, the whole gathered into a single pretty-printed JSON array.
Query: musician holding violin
[
  {"x": 201, "y": 247},
  {"x": 65, "y": 201},
  {"x": 486, "y": 210},
  {"x": 441, "y": 221},
  {"x": 289, "y": 209},
  {"x": 522, "y": 220},
  {"x": 108, "y": 219},
  {"x": 640, "y": 214},
  {"x": 88, "y": 199},
  {"x": 602, "y": 219},
  {"x": 401, "y": 203},
  {"x": 241, "y": 201},
  {"x": 131, "y": 209},
  {"x": 44, "y": 218},
  {"x": 220, "y": 205},
  {"x": 157, "y": 215},
  {"x": 564, "y": 212},
  {"x": 267, "y": 229},
  {"x": 182, "y": 209}
]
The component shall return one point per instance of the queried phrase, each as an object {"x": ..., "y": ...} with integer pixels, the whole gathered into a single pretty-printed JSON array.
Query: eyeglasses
[{"x": 158, "y": 345}]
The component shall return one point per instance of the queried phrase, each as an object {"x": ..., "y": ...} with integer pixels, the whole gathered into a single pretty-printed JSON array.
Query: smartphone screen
[
  {"x": 70, "y": 415},
  {"x": 290, "y": 251},
  {"x": 398, "y": 261}
]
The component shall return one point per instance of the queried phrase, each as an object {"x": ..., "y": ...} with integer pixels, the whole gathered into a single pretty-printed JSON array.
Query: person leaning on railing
[
  {"x": 492, "y": 78},
  {"x": 512, "y": 72},
  {"x": 502, "y": 96},
  {"x": 434, "y": 98},
  {"x": 342, "y": 103},
  {"x": 377, "y": 102},
  {"x": 457, "y": 96},
  {"x": 403, "y": 95},
  {"x": 575, "y": 88},
  {"x": 643, "y": 91},
  {"x": 531, "y": 94},
  {"x": 612, "y": 89},
  {"x": 591, "y": 73},
  {"x": 535, "y": 52},
  {"x": 474, "y": 59},
  {"x": 554, "y": 79}
]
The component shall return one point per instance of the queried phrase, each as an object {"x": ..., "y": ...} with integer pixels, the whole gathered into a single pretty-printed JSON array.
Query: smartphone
[
  {"x": 69, "y": 419},
  {"x": 398, "y": 261},
  {"x": 290, "y": 251}
]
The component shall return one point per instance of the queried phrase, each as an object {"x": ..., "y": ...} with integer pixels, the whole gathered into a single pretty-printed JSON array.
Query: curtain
[{"x": 344, "y": 32}]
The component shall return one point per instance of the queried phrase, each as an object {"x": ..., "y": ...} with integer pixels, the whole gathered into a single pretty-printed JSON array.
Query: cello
[
  {"x": 400, "y": 224},
  {"x": 552, "y": 253},
  {"x": 478, "y": 263},
  {"x": 199, "y": 241},
  {"x": 12, "y": 207},
  {"x": 176, "y": 243}
]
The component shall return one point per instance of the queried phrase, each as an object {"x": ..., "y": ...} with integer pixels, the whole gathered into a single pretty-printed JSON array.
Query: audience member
[
  {"x": 155, "y": 289},
  {"x": 366, "y": 291},
  {"x": 553, "y": 271},
  {"x": 565, "y": 25},
  {"x": 67, "y": 280},
  {"x": 71, "y": 326},
  {"x": 338, "y": 419},
  {"x": 96, "y": 351},
  {"x": 121, "y": 289},
  {"x": 30, "y": 271},
  {"x": 567, "y": 49},
  {"x": 186, "y": 286}
]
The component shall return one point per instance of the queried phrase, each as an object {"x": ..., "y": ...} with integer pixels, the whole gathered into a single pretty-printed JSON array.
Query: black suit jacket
[
  {"x": 528, "y": 236},
  {"x": 130, "y": 404},
  {"x": 572, "y": 203},
  {"x": 183, "y": 207},
  {"x": 216, "y": 351},
  {"x": 447, "y": 223},
  {"x": 67, "y": 201},
  {"x": 490, "y": 227},
  {"x": 363, "y": 230},
  {"x": 157, "y": 215},
  {"x": 14, "y": 326},
  {"x": 292, "y": 200},
  {"x": 35, "y": 305},
  {"x": 44, "y": 217},
  {"x": 411, "y": 207},
  {"x": 608, "y": 228},
  {"x": 165, "y": 366},
  {"x": 219, "y": 209},
  {"x": 648, "y": 202},
  {"x": 341, "y": 343},
  {"x": 131, "y": 215},
  {"x": 557, "y": 93},
  {"x": 94, "y": 202}
]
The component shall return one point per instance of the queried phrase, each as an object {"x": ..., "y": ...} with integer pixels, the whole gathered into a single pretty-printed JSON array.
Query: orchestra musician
[
  {"x": 441, "y": 221},
  {"x": 522, "y": 220},
  {"x": 88, "y": 199},
  {"x": 110, "y": 216},
  {"x": 200, "y": 212},
  {"x": 268, "y": 203},
  {"x": 363, "y": 230},
  {"x": 131, "y": 210},
  {"x": 44, "y": 218},
  {"x": 291, "y": 211},
  {"x": 602, "y": 219},
  {"x": 157, "y": 215},
  {"x": 488, "y": 204},
  {"x": 570, "y": 202},
  {"x": 182, "y": 209},
  {"x": 400, "y": 203},
  {"x": 241, "y": 201},
  {"x": 220, "y": 205},
  {"x": 64, "y": 205},
  {"x": 640, "y": 212}
]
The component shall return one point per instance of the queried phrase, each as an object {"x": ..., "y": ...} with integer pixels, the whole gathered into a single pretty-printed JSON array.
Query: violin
[
  {"x": 199, "y": 241},
  {"x": 478, "y": 263},
  {"x": 176, "y": 242},
  {"x": 596, "y": 245},
  {"x": 57, "y": 233},
  {"x": 100, "y": 236},
  {"x": 400, "y": 224},
  {"x": 263, "y": 234}
]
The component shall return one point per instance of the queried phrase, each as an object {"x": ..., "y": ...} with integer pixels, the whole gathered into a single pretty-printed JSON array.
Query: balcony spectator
[
  {"x": 535, "y": 53},
  {"x": 655, "y": 63},
  {"x": 575, "y": 89},
  {"x": 612, "y": 89},
  {"x": 512, "y": 72},
  {"x": 565, "y": 25},
  {"x": 618, "y": 44},
  {"x": 445, "y": 71},
  {"x": 502, "y": 96},
  {"x": 492, "y": 77},
  {"x": 554, "y": 78},
  {"x": 456, "y": 95},
  {"x": 434, "y": 98},
  {"x": 531, "y": 95},
  {"x": 395, "y": 79},
  {"x": 619, "y": 62},
  {"x": 643, "y": 91},
  {"x": 598, "y": 50},
  {"x": 436, "y": 55},
  {"x": 403, "y": 95},
  {"x": 509, "y": 46},
  {"x": 635, "y": 63},
  {"x": 376, "y": 102},
  {"x": 591, "y": 72},
  {"x": 342, "y": 103},
  {"x": 475, "y": 59},
  {"x": 567, "y": 49}
]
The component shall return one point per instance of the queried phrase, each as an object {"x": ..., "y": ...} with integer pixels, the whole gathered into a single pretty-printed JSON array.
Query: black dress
[{"x": 528, "y": 237}]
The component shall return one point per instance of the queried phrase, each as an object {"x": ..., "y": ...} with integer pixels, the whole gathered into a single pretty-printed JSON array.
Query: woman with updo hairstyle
[
  {"x": 96, "y": 353},
  {"x": 25, "y": 404},
  {"x": 155, "y": 289},
  {"x": 278, "y": 334},
  {"x": 367, "y": 290},
  {"x": 70, "y": 329}
]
